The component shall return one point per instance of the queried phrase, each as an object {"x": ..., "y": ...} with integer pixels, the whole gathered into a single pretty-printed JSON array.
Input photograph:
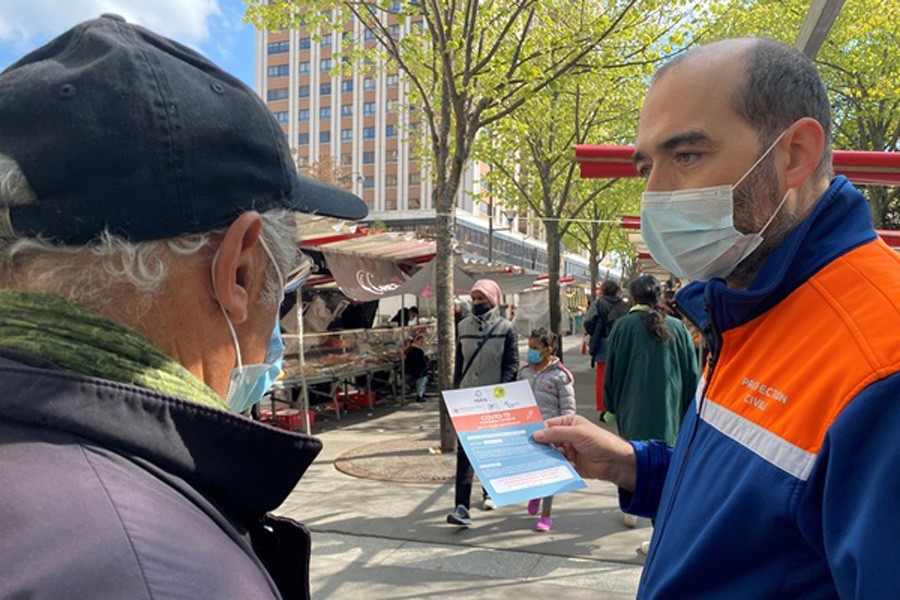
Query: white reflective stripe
[{"x": 768, "y": 446}]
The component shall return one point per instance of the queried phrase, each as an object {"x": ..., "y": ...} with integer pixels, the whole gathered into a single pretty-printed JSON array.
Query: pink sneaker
[
  {"x": 534, "y": 506},
  {"x": 544, "y": 524}
]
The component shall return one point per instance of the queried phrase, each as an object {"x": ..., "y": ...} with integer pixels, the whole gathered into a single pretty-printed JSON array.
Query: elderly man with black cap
[{"x": 147, "y": 233}]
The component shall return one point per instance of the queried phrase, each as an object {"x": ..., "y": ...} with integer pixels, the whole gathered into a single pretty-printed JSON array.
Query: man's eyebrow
[{"x": 688, "y": 137}]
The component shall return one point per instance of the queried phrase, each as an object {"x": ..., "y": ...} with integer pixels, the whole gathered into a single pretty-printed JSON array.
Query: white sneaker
[
  {"x": 488, "y": 504},
  {"x": 629, "y": 520}
]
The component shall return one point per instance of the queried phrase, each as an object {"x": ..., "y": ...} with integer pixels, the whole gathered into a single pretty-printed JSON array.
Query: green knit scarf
[{"x": 79, "y": 340}]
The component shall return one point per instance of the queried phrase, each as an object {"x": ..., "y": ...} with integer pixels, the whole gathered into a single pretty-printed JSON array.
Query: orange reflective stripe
[{"x": 792, "y": 370}]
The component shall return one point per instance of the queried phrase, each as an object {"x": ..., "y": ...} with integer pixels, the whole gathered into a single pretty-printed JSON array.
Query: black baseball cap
[{"x": 118, "y": 128}]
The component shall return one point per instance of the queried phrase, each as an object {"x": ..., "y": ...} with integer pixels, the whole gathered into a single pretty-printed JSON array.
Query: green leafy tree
[
  {"x": 467, "y": 65},
  {"x": 860, "y": 67}
]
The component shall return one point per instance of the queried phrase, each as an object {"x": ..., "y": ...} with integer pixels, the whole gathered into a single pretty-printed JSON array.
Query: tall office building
[{"x": 355, "y": 130}]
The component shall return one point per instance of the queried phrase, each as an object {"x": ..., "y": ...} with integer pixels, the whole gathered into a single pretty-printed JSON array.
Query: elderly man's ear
[
  {"x": 804, "y": 143},
  {"x": 239, "y": 274}
]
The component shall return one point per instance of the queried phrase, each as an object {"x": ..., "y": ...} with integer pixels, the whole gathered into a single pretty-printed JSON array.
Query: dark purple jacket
[{"x": 113, "y": 491}]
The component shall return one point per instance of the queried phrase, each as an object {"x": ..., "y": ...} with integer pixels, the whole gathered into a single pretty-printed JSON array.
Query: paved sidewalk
[{"x": 382, "y": 539}]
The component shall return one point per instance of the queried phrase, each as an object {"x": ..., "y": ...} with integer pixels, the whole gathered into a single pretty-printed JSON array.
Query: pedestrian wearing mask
[
  {"x": 553, "y": 387},
  {"x": 486, "y": 354}
]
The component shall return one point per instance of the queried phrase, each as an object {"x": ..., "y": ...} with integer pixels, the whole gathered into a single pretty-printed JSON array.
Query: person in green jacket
[
  {"x": 651, "y": 371},
  {"x": 651, "y": 368}
]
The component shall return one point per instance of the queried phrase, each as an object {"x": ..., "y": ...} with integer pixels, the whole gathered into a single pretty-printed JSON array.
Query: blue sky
[{"x": 213, "y": 27}]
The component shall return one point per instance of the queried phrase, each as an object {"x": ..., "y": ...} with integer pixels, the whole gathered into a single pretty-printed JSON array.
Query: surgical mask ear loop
[
  {"x": 772, "y": 218},
  {"x": 759, "y": 160},
  {"x": 234, "y": 340}
]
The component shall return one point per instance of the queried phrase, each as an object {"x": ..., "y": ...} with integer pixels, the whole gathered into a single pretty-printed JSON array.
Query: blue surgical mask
[
  {"x": 691, "y": 233},
  {"x": 534, "y": 356},
  {"x": 249, "y": 383}
]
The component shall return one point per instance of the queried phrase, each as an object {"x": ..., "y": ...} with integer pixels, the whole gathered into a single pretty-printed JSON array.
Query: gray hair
[
  {"x": 781, "y": 86},
  {"x": 88, "y": 275}
]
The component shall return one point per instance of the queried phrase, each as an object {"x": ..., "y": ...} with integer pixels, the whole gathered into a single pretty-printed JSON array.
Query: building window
[
  {"x": 347, "y": 36},
  {"x": 279, "y": 47},
  {"x": 303, "y": 114},
  {"x": 325, "y": 41},
  {"x": 304, "y": 43},
  {"x": 347, "y": 85},
  {"x": 278, "y": 71},
  {"x": 393, "y": 80},
  {"x": 281, "y": 116},
  {"x": 303, "y": 91},
  {"x": 346, "y": 110},
  {"x": 302, "y": 161},
  {"x": 369, "y": 83},
  {"x": 276, "y": 95},
  {"x": 325, "y": 64},
  {"x": 346, "y": 135},
  {"x": 390, "y": 156},
  {"x": 324, "y": 137},
  {"x": 303, "y": 139},
  {"x": 325, "y": 112},
  {"x": 390, "y": 106},
  {"x": 368, "y": 157},
  {"x": 390, "y": 180},
  {"x": 394, "y": 7},
  {"x": 369, "y": 181},
  {"x": 303, "y": 67},
  {"x": 389, "y": 131},
  {"x": 368, "y": 35},
  {"x": 368, "y": 133},
  {"x": 395, "y": 32},
  {"x": 325, "y": 89},
  {"x": 415, "y": 178},
  {"x": 346, "y": 159},
  {"x": 368, "y": 108},
  {"x": 414, "y": 203}
]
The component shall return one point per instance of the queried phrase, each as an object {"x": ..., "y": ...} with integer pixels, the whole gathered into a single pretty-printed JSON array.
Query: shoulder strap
[{"x": 478, "y": 348}]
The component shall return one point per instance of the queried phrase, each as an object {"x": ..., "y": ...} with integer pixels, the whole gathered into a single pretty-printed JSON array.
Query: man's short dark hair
[
  {"x": 610, "y": 288},
  {"x": 782, "y": 86}
]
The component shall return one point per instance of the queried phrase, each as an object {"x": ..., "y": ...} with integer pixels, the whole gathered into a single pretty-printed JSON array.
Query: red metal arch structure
[{"x": 874, "y": 168}]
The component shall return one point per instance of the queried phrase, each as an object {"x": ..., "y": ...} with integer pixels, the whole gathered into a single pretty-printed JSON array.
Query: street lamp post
[{"x": 510, "y": 215}]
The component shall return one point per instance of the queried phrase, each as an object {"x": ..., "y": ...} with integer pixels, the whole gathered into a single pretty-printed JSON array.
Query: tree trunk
[
  {"x": 444, "y": 203},
  {"x": 553, "y": 256},
  {"x": 594, "y": 262}
]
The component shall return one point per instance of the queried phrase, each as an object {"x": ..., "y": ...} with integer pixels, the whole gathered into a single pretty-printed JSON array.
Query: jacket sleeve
[
  {"x": 848, "y": 509},
  {"x": 565, "y": 391},
  {"x": 652, "y": 460},
  {"x": 510, "y": 367},
  {"x": 590, "y": 319},
  {"x": 458, "y": 365}
]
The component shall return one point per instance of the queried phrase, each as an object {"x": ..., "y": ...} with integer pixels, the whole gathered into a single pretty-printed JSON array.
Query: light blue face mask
[
  {"x": 249, "y": 383},
  {"x": 534, "y": 356},
  {"x": 691, "y": 232}
]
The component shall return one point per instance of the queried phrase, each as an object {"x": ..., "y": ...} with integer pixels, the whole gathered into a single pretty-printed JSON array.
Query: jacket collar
[
  {"x": 838, "y": 223},
  {"x": 226, "y": 457}
]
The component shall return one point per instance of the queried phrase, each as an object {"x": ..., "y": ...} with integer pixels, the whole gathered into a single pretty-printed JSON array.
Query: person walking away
[
  {"x": 651, "y": 373},
  {"x": 486, "y": 354},
  {"x": 553, "y": 387},
  {"x": 417, "y": 365},
  {"x": 598, "y": 323}
]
